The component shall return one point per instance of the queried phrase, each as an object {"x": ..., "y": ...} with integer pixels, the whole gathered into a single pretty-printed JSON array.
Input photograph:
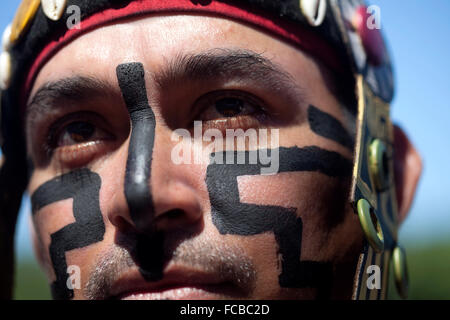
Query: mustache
[{"x": 227, "y": 262}]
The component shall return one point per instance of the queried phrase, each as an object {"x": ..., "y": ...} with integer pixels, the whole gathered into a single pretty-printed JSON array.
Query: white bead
[
  {"x": 6, "y": 38},
  {"x": 54, "y": 9},
  {"x": 5, "y": 70},
  {"x": 314, "y": 11}
]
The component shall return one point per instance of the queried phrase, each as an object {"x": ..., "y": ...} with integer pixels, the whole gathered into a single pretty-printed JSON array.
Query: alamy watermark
[
  {"x": 374, "y": 277},
  {"x": 374, "y": 20},
  {"x": 74, "y": 279},
  {"x": 251, "y": 147},
  {"x": 74, "y": 19}
]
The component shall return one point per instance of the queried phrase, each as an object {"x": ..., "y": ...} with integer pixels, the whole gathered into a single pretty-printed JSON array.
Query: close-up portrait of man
[{"x": 208, "y": 149}]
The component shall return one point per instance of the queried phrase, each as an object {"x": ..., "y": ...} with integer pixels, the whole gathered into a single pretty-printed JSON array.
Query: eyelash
[
  {"x": 77, "y": 154},
  {"x": 244, "y": 121}
]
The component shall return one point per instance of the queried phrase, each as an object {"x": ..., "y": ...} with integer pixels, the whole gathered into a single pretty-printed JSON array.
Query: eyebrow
[
  {"x": 224, "y": 64},
  {"x": 77, "y": 89},
  {"x": 213, "y": 65}
]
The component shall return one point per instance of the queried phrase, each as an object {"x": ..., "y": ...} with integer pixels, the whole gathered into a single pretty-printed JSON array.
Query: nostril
[
  {"x": 174, "y": 214},
  {"x": 173, "y": 219},
  {"x": 123, "y": 225}
]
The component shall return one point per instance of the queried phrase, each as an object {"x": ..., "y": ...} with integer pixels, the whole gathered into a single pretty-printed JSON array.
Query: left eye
[
  {"x": 79, "y": 132},
  {"x": 231, "y": 107},
  {"x": 227, "y": 105},
  {"x": 76, "y": 132}
]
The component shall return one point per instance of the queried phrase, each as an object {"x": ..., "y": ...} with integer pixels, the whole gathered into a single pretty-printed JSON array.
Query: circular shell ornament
[
  {"x": 54, "y": 9},
  {"x": 400, "y": 271},
  {"x": 378, "y": 164},
  {"x": 5, "y": 70},
  {"x": 370, "y": 225},
  {"x": 6, "y": 38},
  {"x": 314, "y": 11}
]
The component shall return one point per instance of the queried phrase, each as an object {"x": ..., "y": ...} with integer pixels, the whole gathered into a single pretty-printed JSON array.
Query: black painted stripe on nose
[{"x": 131, "y": 77}]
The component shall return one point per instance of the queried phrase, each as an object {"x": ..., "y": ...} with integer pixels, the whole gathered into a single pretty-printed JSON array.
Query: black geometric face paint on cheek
[
  {"x": 230, "y": 216},
  {"x": 131, "y": 78},
  {"x": 325, "y": 125},
  {"x": 83, "y": 186}
]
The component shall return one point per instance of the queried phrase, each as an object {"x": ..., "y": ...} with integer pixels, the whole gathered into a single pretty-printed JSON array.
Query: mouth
[{"x": 177, "y": 284}]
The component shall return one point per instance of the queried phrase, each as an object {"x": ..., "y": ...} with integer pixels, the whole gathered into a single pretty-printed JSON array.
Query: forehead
[{"x": 155, "y": 40}]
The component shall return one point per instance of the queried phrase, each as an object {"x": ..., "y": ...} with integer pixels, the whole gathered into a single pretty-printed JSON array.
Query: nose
[
  {"x": 170, "y": 202},
  {"x": 158, "y": 195},
  {"x": 174, "y": 205}
]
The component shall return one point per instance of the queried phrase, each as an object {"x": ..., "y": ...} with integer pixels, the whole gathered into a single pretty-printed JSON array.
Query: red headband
[{"x": 293, "y": 32}]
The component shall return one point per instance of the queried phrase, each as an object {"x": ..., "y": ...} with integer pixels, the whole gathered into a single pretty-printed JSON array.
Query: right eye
[
  {"x": 77, "y": 139},
  {"x": 77, "y": 133}
]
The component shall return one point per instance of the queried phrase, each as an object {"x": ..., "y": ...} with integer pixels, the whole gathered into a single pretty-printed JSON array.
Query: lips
[
  {"x": 177, "y": 284},
  {"x": 177, "y": 293}
]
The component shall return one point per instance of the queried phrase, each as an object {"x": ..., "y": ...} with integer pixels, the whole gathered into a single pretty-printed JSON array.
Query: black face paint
[
  {"x": 230, "y": 216},
  {"x": 138, "y": 171},
  {"x": 83, "y": 186},
  {"x": 148, "y": 251},
  {"x": 327, "y": 126}
]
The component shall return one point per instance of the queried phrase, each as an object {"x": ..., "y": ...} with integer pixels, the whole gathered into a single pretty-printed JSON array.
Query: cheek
[
  {"x": 47, "y": 221},
  {"x": 319, "y": 200},
  {"x": 69, "y": 202},
  {"x": 52, "y": 218}
]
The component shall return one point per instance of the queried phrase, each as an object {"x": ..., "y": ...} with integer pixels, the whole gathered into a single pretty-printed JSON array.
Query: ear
[{"x": 407, "y": 171}]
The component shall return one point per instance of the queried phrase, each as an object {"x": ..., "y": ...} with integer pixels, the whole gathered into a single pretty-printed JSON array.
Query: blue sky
[{"x": 418, "y": 33}]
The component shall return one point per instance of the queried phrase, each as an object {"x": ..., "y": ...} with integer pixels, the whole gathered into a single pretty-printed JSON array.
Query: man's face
[{"x": 102, "y": 124}]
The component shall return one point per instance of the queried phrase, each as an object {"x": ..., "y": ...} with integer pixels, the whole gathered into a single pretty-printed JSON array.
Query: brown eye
[
  {"x": 77, "y": 132},
  {"x": 228, "y": 104},
  {"x": 79, "y": 142},
  {"x": 76, "y": 139},
  {"x": 230, "y": 107}
]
